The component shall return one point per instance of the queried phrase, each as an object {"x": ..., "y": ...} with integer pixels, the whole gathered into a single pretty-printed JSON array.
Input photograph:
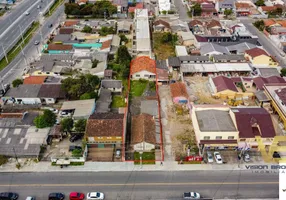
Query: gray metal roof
[
  {"x": 174, "y": 61},
  {"x": 62, "y": 37},
  {"x": 215, "y": 121},
  {"x": 149, "y": 107},
  {"x": 103, "y": 103},
  {"x": 267, "y": 72},
  {"x": 162, "y": 64},
  {"x": 56, "y": 57},
  {"x": 210, "y": 47},
  {"x": 228, "y": 57},
  {"x": 24, "y": 91},
  {"x": 240, "y": 47},
  {"x": 111, "y": 83},
  {"x": 194, "y": 58}
]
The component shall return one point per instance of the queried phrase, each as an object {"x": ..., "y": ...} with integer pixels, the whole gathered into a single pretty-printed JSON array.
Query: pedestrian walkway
[{"x": 117, "y": 166}]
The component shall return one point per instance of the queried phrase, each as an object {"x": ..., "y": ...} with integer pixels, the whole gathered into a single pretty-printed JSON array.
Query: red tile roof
[
  {"x": 256, "y": 52},
  {"x": 269, "y": 22},
  {"x": 35, "y": 80},
  {"x": 138, "y": 6},
  {"x": 178, "y": 90},
  {"x": 223, "y": 83},
  {"x": 195, "y": 22},
  {"x": 106, "y": 44},
  {"x": 62, "y": 47},
  {"x": 71, "y": 22},
  {"x": 260, "y": 81},
  {"x": 249, "y": 119},
  {"x": 213, "y": 23},
  {"x": 162, "y": 74},
  {"x": 66, "y": 30},
  {"x": 142, "y": 63},
  {"x": 159, "y": 21},
  {"x": 281, "y": 93}
]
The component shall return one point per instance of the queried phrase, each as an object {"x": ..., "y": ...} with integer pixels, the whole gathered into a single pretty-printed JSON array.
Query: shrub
[{"x": 3, "y": 160}]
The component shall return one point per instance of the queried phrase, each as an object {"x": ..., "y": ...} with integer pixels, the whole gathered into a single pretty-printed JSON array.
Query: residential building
[
  {"x": 143, "y": 68},
  {"x": 222, "y": 5},
  {"x": 108, "y": 74},
  {"x": 104, "y": 101},
  {"x": 194, "y": 59},
  {"x": 186, "y": 38},
  {"x": 211, "y": 49},
  {"x": 115, "y": 86},
  {"x": 267, "y": 72},
  {"x": 164, "y": 5},
  {"x": 174, "y": 63},
  {"x": 228, "y": 58},
  {"x": 259, "y": 57},
  {"x": 243, "y": 8},
  {"x": 161, "y": 26},
  {"x": 143, "y": 137},
  {"x": 208, "y": 9},
  {"x": 81, "y": 109},
  {"x": 66, "y": 31},
  {"x": 124, "y": 27},
  {"x": 181, "y": 51},
  {"x": 59, "y": 48},
  {"x": 260, "y": 82},
  {"x": 35, "y": 80},
  {"x": 179, "y": 92},
  {"x": 141, "y": 38}
]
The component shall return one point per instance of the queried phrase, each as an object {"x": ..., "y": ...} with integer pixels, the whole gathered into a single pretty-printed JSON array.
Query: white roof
[
  {"x": 187, "y": 35},
  {"x": 143, "y": 42},
  {"x": 36, "y": 136},
  {"x": 83, "y": 108},
  {"x": 164, "y": 5},
  {"x": 233, "y": 67},
  {"x": 181, "y": 51},
  {"x": 141, "y": 13},
  {"x": 198, "y": 68},
  {"x": 217, "y": 67}
]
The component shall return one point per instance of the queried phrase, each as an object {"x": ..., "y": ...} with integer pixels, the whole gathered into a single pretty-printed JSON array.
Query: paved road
[
  {"x": 144, "y": 185},
  {"x": 182, "y": 9},
  {"x": 264, "y": 41},
  {"x": 16, "y": 21},
  {"x": 16, "y": 67}
]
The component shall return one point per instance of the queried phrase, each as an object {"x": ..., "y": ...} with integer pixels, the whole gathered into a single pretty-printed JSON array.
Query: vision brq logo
[{"x": 267, "y": 169}]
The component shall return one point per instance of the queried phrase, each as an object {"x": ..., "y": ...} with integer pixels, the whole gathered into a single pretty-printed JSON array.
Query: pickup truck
[{"x": 191, "y": 195}]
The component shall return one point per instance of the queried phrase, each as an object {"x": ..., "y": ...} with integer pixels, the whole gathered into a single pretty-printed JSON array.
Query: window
[
  {"x": 218, "y": 137},
  {"x": 242, "y": 140},
  {"x": 47, "y": 72},
  {"x": 137, "y": 75},
  {"x": 230, "y": 137},
  {"x": 109, "y": 137},
  {"x": 207, "y": 137},
  {"x": 146, "y": 75}
]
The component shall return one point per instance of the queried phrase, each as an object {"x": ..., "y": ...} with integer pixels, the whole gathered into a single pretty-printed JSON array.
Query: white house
[
  {"x": 164, "y": 5},
  {"x": 143, "y": 67}
]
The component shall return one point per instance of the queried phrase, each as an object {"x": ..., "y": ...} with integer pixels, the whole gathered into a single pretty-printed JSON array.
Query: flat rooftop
[
  {"x": 215, "y": 121},
  {"x": 82, "y": 108}
]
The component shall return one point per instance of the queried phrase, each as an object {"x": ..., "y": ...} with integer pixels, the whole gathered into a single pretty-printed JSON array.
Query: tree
[
  {"x": 123, "y": 38},
  {"x": 88, "y": 95},
  {"x": 87, "y": 29},
  {"x": 228, "y": 12},
  {"x": 47, "y": 119},
  {"x": 80, "y": 125},
  {"x": 122, "y": 56},
  {"x": 103, "y": 9},
  {"x": 260, "y": 3},
  {"x": 283, "y": 71},
  {"x": 94, "y": 63},
  {"x": 17, "y": 82},
  {"x": 167, "y": 37},
  {"x": 67, "y": 124},
  {"x": 196, "y": 9},
  {"x": 106, "y": 31},
  {"x": 77, "y": 153},
  {"x": 3, "y": 160},
  {"x": 72, "y": 9},
  {"x": 164, "y": 12},
  {"x": 259, "y": 25}
]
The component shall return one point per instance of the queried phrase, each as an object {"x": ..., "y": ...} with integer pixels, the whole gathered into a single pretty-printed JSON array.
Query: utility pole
[
  {"x": 24, "y": 55},
  {"x": 16, "y": 156},
  {"x": 21, "y": 34},
  {"x": 5, "y": 54}
]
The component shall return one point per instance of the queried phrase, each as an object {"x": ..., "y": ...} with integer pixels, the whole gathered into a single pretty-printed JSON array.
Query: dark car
[
  {"x": 51, "y": 25},
  {"x": 72, "y": 147},
  {"x": 8, "y": 196},
  {"x": 56, "y": 196},
  {"x": 75, "y": 137}
]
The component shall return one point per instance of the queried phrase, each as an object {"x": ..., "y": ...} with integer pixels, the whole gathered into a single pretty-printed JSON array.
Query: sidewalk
[{"x": 116, "y": 166}]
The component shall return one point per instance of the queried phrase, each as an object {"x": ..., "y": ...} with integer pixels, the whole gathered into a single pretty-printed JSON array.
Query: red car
[{"x": 76, "y": 196}]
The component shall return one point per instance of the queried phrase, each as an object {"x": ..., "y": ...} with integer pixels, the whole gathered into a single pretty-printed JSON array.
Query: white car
[
  {"x": 246, "y": 157},
  {"x": 218, "y": 158},
  {"x": 210, "y": 157},
  {"x": 30, "y": 198},
  {"x": 27, "y": 13},
  {"x": 36, "y": 42},
  {"x": 94, "y": 195},
  {"x": 191, "y": 195}
]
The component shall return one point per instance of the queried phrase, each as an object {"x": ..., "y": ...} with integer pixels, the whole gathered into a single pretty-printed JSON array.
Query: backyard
[
  {"x": 163, "y": 48},
  {"x": 137, "y": 87},
  {"x": 148, "y": 158},
  {"x": 118, "y": 101}
]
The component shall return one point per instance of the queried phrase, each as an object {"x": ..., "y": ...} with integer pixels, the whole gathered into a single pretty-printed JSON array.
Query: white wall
[
  {"x": 142, "y": 75},
  {"x": 29, "y": 100},
  {"x": 143, "y": 146}
]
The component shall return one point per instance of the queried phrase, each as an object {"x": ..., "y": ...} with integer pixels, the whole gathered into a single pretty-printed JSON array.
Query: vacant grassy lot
[
  {"x": 118, "y": 101},
  {"x": 137, "y": 87},
  {"x": 148, "y": 158},
  {"x": 162, "y": 50}
]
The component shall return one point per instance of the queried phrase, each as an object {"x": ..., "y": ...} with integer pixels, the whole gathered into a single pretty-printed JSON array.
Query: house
[
  {"x": 105, "y": 130},
  {"x": 50, "y": 93},
  {"x": 243, "y": 8},
  {"x": 150, "y": 107},
  {"x": 108, "y": 74},
  {"x": 81, "y": 109},
  {"x": 173, "y": 63},
  {"x": 259, "y": 57},
  {"x": 104, "y": 101},
  {"x": 267, "y": 72},
  {"x": 115, "y": 43},
  {"x": 115, "y": 86},
  {"x": 179, "y": 92},
  {"x": 81, "y": 2},
  {"x": 179, "y": 25},
  {"x": 267, "y": 9},
  {"x": 194, "y": 59},
  {"x": 143, "y": 67},
  {"x": 196, "y": 26},
  {"x": 164, "y": 5},
  {"x": 59, "y": 48},
  {"x": 66, "y": 31},
  {"x": 229, "y": 58},
  {"x": 260, "y": 82},
  {"x": 132, "y": 9},
  {"x": 214, "y": 127},
  {"x": 35, "y": 80},
  {"x": 162, "y": 71},
  {"x": 181, "y": 51},
  {"x": 225, "y": 88},
  {"x": 124, "y": 27},
  {"x": 212, "y": 49},
  {"x": 186, "y": 38},
  {"x": 208, "y": 9},
  {"x": 64, "y": 39},
  {"x": 161, "y": 26},
  {"x": 222, "y": 5},
  {"x": 70, "y": 23},
  {"x": 143, "y": 130}
]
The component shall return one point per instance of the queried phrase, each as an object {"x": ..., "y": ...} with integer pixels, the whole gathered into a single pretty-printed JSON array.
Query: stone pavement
[{"x": 115, "y": 166}]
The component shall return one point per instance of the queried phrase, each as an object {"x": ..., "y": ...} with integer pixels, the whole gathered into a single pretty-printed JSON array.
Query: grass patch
[
  {"x": 56, "y": 4},
  {"x": 152, "y": 86},
  {"x": 148, "y": 158},
  {"x": 162, "y": 50},
  {"x": 2, "y": 12},
  {"x": 118, "y": 101},
  {"x": 137, "y": 87},
  {"x": 17, "y": 48}
]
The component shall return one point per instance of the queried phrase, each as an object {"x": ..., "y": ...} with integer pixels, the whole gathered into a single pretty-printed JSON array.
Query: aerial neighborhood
[{"x": 151, "y": 83}]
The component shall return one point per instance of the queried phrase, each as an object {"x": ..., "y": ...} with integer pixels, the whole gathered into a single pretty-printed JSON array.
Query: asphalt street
[
  {"x": 16, "y": 22},
  {"x": 144, "y": 185},
  {"x": 16, "y": 67},
  {"x": 182, "y": 10}
]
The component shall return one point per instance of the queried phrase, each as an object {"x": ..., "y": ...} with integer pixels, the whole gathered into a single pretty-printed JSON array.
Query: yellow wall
[
  {"x": 229, "y": 94},
  {"x": 261, "y": 60},
  {"x": 104, "y": 139}
]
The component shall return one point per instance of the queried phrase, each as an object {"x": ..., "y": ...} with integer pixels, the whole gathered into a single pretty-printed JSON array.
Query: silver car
[{"x": 210, "y": 157}]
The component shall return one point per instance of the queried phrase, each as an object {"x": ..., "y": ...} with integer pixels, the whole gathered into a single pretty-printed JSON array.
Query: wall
[
  {"x": 261, "y": 60},
  {"x": 50, "y": 100},
  {"x": 143, "y": 146},
  {"x": 29, "y": 100},
  {"x": 105, "y": 139},
  {"x": 141, "y": 75}
]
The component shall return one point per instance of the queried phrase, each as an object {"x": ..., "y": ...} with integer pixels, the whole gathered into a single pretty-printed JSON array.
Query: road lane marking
[{"x": 139, "y": 184}]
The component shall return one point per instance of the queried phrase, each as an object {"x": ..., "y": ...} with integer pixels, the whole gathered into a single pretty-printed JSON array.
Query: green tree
[
  {"x": 123, "y": 38},
  {"x": 103, "y": 9},
  {"x": 259, "y": 25},
  {"x": 17, "y": 82},
  {"x": 80, "y": 126},
  {"x": 3, "y": 160},
  {"x": 166, "y": 37},
  {"x": 77, "y": 153},
  {"x": 260, "y": 3},
  {"x": 87, "y": 29},
  {"x": 164, "y": 12},
  {"x": 47, "y": 119},
  {"x": 283, "y": 71},
  {"x": 88, "y": 95},
  {"x": 106, "y": 31},
  {"x": 122, "y": 56},
  {"x": 196, "y": 9},
  {"x": 67, "y": 124},
  {"x": 94, "y": 63},
  {"x": 72, "y": 9},
  {"x": 228, "y": 12}
]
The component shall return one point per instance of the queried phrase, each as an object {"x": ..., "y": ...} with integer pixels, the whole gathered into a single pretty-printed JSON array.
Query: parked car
[
  {"x": 8, "y": 196},
  {"x": 94, "y": 195},
  {"x": 118, "y": 153},
  {"x": 56, "y": 196},
  {"x": 218, "y": 158},
  {"x": 38, "y": 6},
  {"x": 30, "y": 198},
  {"x": 65, "y": 114},
  {"x": 210, "y": 157},
  {"x": 27, "y": 13},
  {"x": 50, "y": 25},
  {"x": 191, "y": 195},
  {"x": 246, "y": 157},
  {"x": 36, "y": 42},
  {"x": 76, "y": 196},
  {"x": 75, "y": 137},
  {"x": 58, "y": 121},
  {"x": 73, "y": 147}
]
